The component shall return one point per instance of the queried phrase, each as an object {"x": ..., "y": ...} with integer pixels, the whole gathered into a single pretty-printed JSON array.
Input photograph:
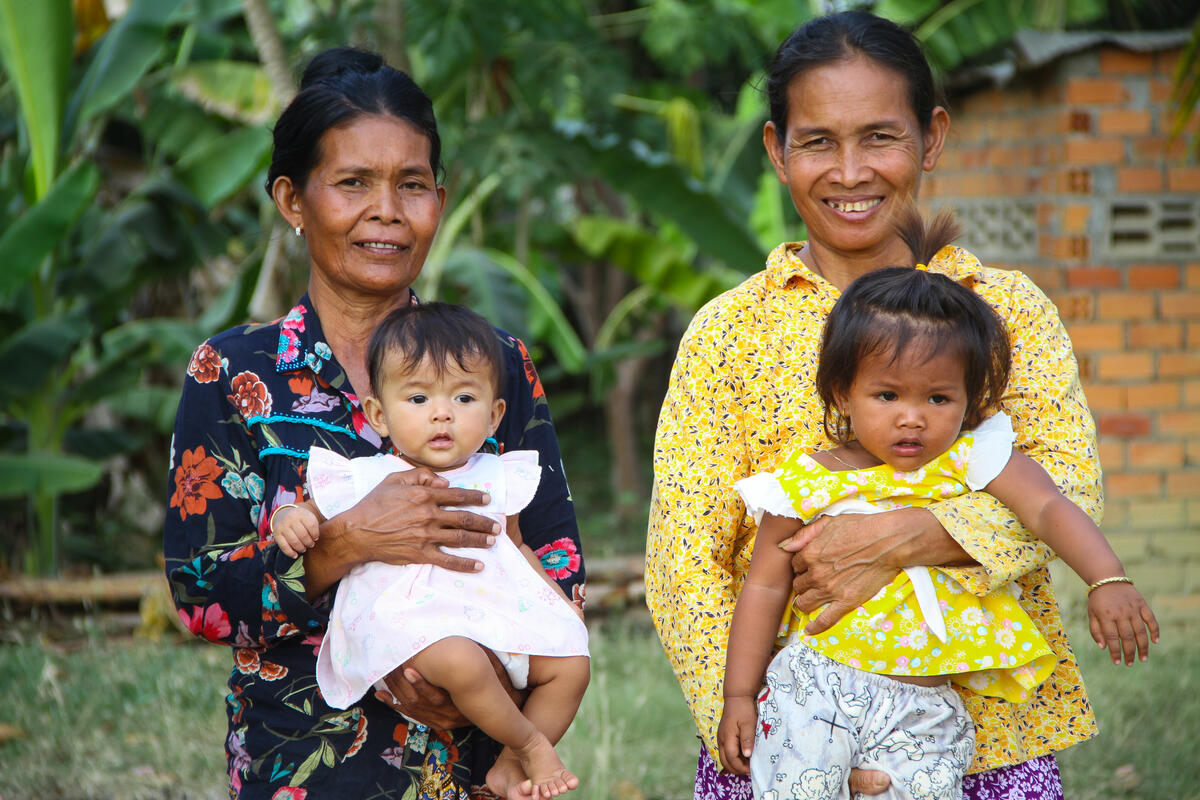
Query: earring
[
  {"x": 299, "y": 230},
  {"x": 844, "y": 428}
]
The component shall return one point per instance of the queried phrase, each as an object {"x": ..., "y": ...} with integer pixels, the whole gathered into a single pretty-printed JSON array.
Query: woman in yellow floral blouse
[{"x": 853, "y": 125}]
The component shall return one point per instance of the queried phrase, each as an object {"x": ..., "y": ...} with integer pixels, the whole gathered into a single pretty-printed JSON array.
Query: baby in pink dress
[{"x": 435, "y": 373}]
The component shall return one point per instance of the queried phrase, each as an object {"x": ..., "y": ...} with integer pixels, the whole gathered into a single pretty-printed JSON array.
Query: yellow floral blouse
[{"x": 742, "y": 397}]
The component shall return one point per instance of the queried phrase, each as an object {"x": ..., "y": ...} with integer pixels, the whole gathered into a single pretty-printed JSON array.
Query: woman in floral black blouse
[{"x": 354, "y": 172}]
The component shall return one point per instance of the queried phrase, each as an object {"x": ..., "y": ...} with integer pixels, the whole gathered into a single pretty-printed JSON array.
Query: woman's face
[
  {"x": 370, "y": 208},
  {"x": 852, "y": 155}
]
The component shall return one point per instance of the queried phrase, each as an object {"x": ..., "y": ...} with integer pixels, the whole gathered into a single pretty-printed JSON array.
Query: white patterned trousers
[{"x": 818, "y": 718}]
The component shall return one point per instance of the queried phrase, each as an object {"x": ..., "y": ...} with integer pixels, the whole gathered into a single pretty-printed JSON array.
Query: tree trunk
[
  {"x": 265, "y": 302},
  {"x": 269, "y": 45},
  {"x": 625, "y": 471},
  {"x": 390, "y": 14}
]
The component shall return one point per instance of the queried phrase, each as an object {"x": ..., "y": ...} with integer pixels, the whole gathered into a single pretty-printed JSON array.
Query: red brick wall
[{"x": 1068, "y": 141}]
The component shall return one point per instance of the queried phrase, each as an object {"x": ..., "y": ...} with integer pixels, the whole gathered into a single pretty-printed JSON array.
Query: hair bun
[{"x": 329, "y": 65}]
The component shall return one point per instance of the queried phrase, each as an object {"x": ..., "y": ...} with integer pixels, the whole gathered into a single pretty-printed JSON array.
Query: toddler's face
[
  {"x": 909, "y": 411},
  {"x": 436, "y": 421}
]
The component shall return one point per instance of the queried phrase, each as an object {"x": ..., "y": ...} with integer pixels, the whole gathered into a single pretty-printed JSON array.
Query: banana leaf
[
  {"x": 659, "y": 187},
  {"x": 35, "y": 50},
  {"x": 653, "y": 260},
  {"x": 46, "y": 473},
  {"x": 33, "y": 236},
  {"x": 563, "y": 340},
  {"x": 216, "y": 169},
  {"x": 38, "y": 350},
  {"x": 130, "y": 47},
  {"x": 237, "y": 90}
]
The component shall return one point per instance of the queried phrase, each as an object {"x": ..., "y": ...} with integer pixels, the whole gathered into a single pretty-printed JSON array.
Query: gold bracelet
[
  {"x": 271, "y": 521},
  {"x": 1113, "y": 579}
]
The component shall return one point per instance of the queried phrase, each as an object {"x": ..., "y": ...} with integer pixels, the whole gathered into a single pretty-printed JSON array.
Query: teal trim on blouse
[
  {"x": 316, "y": 423},
  {"x": 282, "y": 451}
]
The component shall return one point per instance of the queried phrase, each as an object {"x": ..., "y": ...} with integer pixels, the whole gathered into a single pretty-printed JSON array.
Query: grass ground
[{"x": 137, "y": 719}]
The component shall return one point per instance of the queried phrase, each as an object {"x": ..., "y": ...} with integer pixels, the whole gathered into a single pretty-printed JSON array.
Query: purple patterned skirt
[{"x": 1036, "y": 779}]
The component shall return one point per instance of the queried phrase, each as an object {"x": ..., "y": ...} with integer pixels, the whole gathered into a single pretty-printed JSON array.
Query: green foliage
[
  {"x": 1185, "y": 94},
  {"x": 35, "y": 48},
  {"x": 605, "y": 177},
  {"x": 664, "y": 265},
  {"x": 126, "y": 53},
  {"x": 46, "y": 473},
  {"x": 236, "y": 90},
  {"x": 659, "y": 186},
  {"x": 958, "y": 33},
  {"x": 111, "y": 220},
  {"x": 217, "y": 168},
  {"x": 33, "y": 236}
]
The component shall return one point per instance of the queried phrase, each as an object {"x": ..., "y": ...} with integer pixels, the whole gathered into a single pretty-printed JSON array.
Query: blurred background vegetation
[{"x": 605, "y": 178}]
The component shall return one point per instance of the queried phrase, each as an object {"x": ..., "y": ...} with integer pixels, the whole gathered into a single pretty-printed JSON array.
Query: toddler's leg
[
  {"x": 925, "y": 741},
  {"x": 803, "y": 746},
  {"x": 556, "y": 685}
]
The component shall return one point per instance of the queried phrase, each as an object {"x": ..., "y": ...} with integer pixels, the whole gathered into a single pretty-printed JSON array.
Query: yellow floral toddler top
[{"x": 924, "y": 622}]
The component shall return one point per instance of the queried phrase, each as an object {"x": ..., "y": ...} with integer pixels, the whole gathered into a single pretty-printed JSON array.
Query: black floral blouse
[{"x": 255, "y": 399}]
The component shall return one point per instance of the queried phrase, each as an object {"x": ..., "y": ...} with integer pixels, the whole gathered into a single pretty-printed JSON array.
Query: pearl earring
[{"x": 299, "y": 230}]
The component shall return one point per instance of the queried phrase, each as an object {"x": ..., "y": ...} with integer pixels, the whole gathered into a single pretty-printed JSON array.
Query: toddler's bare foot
[{"x": 546, "y": 772}]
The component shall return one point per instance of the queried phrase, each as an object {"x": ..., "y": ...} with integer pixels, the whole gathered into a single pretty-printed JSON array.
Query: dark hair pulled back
[
  {"x": 444, "y": 332},
  {"x": 837, "y": 37},
  {"x": 338, "y": 86},
  {"x": 889, "y": 310}
]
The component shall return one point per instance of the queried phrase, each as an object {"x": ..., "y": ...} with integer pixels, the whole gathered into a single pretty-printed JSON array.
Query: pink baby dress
[{"x": 383, "y": 614}]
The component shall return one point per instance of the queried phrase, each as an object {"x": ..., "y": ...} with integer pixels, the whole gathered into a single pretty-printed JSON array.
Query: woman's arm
[
  {"x": 845, "y": 559},
  {"x": 230, "y": 583},
  {"x": 756, "y": 619},
  {"x": 696, "y": 533}
]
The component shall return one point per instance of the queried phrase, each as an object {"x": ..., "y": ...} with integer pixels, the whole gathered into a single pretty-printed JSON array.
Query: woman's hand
[
  {"x": 404, "y": 520},
  {"x": 844, "y": 560},
  {"x": 430, "y": 705}
]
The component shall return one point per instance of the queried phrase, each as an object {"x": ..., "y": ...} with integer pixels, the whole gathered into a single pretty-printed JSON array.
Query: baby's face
[{"x": 436, "y": 420}]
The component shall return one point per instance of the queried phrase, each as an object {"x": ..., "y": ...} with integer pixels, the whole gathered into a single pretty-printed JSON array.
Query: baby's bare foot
[
  {"x": 507, "y": 778},
  {"x": 546, "y": 772},
  {"x": 559, "y": 783}
]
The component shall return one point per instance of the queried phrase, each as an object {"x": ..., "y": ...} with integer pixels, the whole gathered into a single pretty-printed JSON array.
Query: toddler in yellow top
[{"x": 911, "y": 364}]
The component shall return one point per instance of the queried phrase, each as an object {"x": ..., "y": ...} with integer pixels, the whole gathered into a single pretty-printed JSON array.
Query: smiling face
[
  {"x": 369, "y": 209},
  {"x": 909, "y": 411},
  {"x": 436, "y": 420},
  {"x": 851, "y": 156}
]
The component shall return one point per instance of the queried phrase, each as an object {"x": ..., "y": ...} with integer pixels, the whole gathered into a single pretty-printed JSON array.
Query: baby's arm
[
  {"x": 514, "y": 533},
  {"x": 1117, "y": 613},
  {"x": 755, "y": 625},
  {"x": 296, "y": 527}
]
